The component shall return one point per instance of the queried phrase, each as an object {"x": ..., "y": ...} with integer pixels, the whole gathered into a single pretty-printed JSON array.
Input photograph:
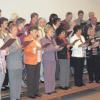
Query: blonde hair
[
  {"x": 14, "y": 16},
  {"x": 91, "y": 29},
  {"x": 41, "y": 19},
  {"x": 47, "y": 27}
]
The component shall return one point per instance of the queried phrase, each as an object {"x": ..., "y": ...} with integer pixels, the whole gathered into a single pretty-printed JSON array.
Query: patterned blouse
[{"x": 2, "y": 58}]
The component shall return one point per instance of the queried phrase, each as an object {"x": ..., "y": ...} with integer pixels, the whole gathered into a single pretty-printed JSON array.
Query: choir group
[{"x": 46, "y": 51}]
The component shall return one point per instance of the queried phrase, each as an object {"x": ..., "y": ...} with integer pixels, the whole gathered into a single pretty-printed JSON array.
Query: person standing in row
[
  {"x": 4, "y": 33},
  {"x": 63, "y": 59},
  {"x": 3, "y": 53},
  {"x": 78, "y": 55},
  {"x": 49, "y": 62},
  {"x": 14, "y": 64},
  {"x": 20, "y": 22},
  {"x": 41, "y": 26},
  {"x": 32, "y": 60},
  {"x": 55, "y": 22},
  {"x": 93, "y": 57}
]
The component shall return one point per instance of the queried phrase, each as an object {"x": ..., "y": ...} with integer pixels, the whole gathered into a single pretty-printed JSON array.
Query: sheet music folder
[
  {"x": 8, "y": 43},
  {"x": 26, "y": 43}
]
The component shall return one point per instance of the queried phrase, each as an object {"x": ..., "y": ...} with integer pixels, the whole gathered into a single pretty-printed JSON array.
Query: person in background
[
  {"x": 32, "y": 61},
  {"x": 80, "y": 19},
  {"x": 33, "y": 22},
  {"x": 10, "y": 24},
  {"x": 91, "y": 16},
  {"x": 93, "y": 57},
  {"x": 4, "y": 27},
  {"x": 41, "y": 26},
  {"x": 67, "y": 23},
  {"x": 20, "y": 22},
  {"x": 14, "y": 64},
  {"x": 62, "y": 57},
  {"x": 49, "y": 62},
  {"x": 78, "y": 55},
  {"x": 52, "y": 17},
  {"x": 14, "y": 17},
  {"x": 55, "y": 22},
  {"x": 3, "y": 33},
  {"x": 0, "y": 13},
  {"x": 3, "y": 54},
  {"x": 92, "y": 21}
]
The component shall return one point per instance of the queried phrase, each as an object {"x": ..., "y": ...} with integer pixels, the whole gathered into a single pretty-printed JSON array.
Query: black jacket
[{"x": 63, "y": 53}]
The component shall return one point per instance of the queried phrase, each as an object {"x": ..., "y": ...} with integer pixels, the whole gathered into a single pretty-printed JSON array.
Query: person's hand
[
  {"x": 95, "y": 44},
  {"x": 73, "y": 24},
  {"x": 19, "y": 47},
  {"x": 7, "y": 49},
  {"x": 68, "y": 46},
  {"x": 57, "y": 46}
]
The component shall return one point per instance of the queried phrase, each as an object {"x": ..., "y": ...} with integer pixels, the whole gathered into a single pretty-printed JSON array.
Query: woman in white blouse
[{"x": 78, "y": 55}]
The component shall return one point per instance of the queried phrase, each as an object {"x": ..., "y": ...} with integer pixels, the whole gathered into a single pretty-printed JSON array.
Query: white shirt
[
  {"x": 41, "y": 32},
  {"x": 1, "y": 42},
  {"x": 76, "y": 50}
]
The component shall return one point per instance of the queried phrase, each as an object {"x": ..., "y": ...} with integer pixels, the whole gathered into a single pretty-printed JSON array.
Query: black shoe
[
  {"x": 90, "y": 81},
  {"x": 32, "y": 96},
  {"x": 38, "y": 95},
  {"x": 83, "y": 84},
  {"x": 97, "y": 81},
  {"x": 51, "y": 92},
  {"x": 42, "y": 81},
  {"x": 79, "y": 85},
  {"x": 64, "y": 88},
  {"x": 4, "y": 89}
]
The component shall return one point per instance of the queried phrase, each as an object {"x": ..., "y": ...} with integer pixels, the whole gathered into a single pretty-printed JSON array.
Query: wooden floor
[
  {"x": 73, "y": 90},
  {"x": 61, "y": 93}
]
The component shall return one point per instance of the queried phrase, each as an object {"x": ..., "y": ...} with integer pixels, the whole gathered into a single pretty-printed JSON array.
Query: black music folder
[
  {"x": 26, "y": 43},
  {"x": 8, "y": 43},
  {"x": 46, "y": 45}
]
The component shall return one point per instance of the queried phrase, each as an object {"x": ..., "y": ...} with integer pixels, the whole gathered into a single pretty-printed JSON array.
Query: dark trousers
[
  {"x": 78, "y": 64},
  {"x": 33, "y": 76},
  {"x": 57, "y": 70},
  {"x": 93, "y": 67},
  {"x": 6, "y": 80}
]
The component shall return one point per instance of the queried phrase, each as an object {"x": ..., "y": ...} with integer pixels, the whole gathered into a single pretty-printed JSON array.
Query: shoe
[
  {"x": 80, "y": 85},
  {"x": 64, "y": 88},
  {"x": 83, "y": 84},
  {"x": 42, "y": 81},
  {"x": 4, "y": 89},
  {"x": 97, "y": 81},
  {"x": 90, "y": 81},
  {"x": 38, "y": 95},
  {"x": 32, "y": 96},
  {"x": 51, "y": 92}
]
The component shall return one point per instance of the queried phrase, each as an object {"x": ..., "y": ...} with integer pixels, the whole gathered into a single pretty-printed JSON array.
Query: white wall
[{"x": 45, "y": 7}]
